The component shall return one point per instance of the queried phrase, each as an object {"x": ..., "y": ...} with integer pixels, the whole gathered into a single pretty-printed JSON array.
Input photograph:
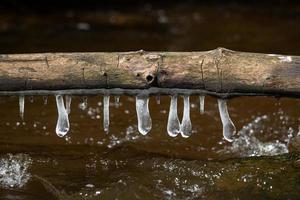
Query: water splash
[
  {"x": 106, "y": 113},
  {"x": 228, "y": 127},
  {"x": 21, "y": 106},
  {"x": 201, "y": 101},
  {"x": 186, "y": 125},
  {"x": 143, "y": 115},
  {"x": 247, "y": 144},
  {"x": 173, "y": 126},
  {"x": 68, "y": 103},
  {"x": 63, "y": 125},
  {"x": 14, "y": 170}
]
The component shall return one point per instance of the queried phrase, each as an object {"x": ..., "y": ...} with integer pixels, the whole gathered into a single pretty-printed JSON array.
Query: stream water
[{"x": 157, "y": 147}]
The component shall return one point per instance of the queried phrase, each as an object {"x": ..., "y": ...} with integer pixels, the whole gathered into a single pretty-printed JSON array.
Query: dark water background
[{"x": 89, "y": 164}]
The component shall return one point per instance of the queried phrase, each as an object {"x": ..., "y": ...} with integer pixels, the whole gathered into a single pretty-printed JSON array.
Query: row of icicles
[{"x": 174, "y": 126}]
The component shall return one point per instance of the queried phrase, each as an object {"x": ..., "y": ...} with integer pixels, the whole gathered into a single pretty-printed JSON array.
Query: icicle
[
  {"x": 117, "y": 101},
  {"x": 83, "y": 104},
  {"x": 68, "y": 103},
  {"x": 143, "y": 115},
  {"x": 173, "y": 126},
  {"x": 186, "y": 125},
  {"x": 157, "y": 98},
  {"x": 62, "y": 126},
  {"x": 201, "y": 100},
  {"x": 228, "y": 127},
  {"x": 106, "y": 113},
  {"x": 21, "y": 106},
  {"x": 45, "y": 98}
]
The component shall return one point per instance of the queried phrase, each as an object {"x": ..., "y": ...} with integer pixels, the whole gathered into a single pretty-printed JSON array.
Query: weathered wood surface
[{"x": 219, "y": 71}]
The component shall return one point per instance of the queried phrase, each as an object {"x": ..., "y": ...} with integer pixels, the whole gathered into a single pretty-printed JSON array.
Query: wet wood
[{"x": 219, "y": 71}]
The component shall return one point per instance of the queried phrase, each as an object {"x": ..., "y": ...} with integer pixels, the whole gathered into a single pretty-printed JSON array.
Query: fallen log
[{"x": 220, "y": 72}]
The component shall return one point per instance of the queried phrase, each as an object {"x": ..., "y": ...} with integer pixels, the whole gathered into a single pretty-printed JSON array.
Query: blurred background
[{"x": 172, "y": 25}]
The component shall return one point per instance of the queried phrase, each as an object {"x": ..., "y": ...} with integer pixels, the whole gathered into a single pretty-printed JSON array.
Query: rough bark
[{"x": 218, "y": 72}]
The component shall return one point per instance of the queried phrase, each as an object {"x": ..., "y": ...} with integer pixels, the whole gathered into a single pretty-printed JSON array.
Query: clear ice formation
[
  {"x": 186, "y": 125},
  {"x": 63, "y": 125},
  {"x": 173, "y": 126},
  {"x": 21, "y": 106},
  {"x": 143, "y": 115},
  {"x": 68, "y": 103},
  {"x": 106, "y": 113},
  {"x": 228, "y": 127},
  {"x": 201, "y": 100}
]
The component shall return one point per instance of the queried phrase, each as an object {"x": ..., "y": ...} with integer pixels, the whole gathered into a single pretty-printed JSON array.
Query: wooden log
[{"x": 219, "y": 72}]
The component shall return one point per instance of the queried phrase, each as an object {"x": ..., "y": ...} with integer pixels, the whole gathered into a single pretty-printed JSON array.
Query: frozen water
[
  {"x": 186, "y": 125},
  {"x": 173, "y": 126},
  {"x": 68, "y": 103},
  {"x": 201, "y": 100},
  {"x": 143, "y": 115},
  {"x": 106, "y": 113},
  {"x": 62, "y": 126},
  {"x": 21, "y": 106},
  {"x": 228, "y": 127}
]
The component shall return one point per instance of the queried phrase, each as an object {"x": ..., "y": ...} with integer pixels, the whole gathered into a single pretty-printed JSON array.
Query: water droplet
[
  {"x": 186, "y": 125},
  {"x": 228, "y": 127},
  {"x": 201, "y": 100},
  {"x": 62, "y": 126},
  {"x": 21, "y": 106},
  {"x": 143, "y": 115},
  {"x": 173, "y": 126},
  {"x": 106, "y": 113}
]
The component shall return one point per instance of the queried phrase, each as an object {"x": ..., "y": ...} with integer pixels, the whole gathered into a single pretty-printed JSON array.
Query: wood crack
[{"x": 202, "y": 73}]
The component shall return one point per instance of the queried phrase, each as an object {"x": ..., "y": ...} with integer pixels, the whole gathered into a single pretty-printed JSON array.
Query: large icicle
[
  {"x": 21, "y": 106},
  {"x": 68, "y": 103},
  {"x": 186, "y": 125},
  {"x": 106, "y": 113},
  {"x": 143, "y": 115},
  {"x": 173, "y": 126},
  {"x": 228, "y": 127},
  {"x": 62, "y": 126},
  {"x": 201, "y": 100}
]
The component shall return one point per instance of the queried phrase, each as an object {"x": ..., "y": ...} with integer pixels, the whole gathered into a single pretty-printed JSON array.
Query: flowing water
[
  {"x": 90, "y": 163},
  {"x": 150, "y": 147}
]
